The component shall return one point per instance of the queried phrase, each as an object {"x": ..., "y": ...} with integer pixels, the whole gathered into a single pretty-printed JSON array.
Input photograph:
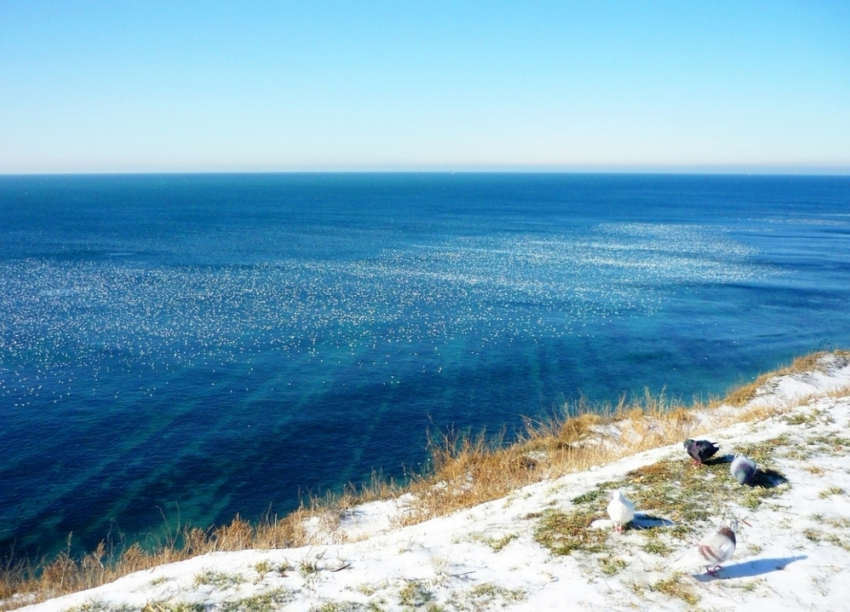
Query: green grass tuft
[
  {"x": 566, "y": 532},
  {"x": 218, "y": 580},
  {"x": 611, "y": 565},
  {"x": 262, "y": 602},
  {"x": 675, "y": 587},
  {"x": 172, "y": 606},
  {"x": 415, "y": 594}
]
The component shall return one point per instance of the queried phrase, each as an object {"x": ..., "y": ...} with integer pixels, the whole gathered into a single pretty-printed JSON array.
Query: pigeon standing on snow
[
  {"x": 621, "y": 510},
  {"x": 711, "y": 551},
  {"x": 700, "y": 450},
  {"x": 743, "y": 469}
]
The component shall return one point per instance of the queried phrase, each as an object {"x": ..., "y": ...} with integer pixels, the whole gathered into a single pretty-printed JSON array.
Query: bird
[
  {"x": 700, "y": 450},
  {"x": 711, "y": 551},
  {"x": 743, "y": 469},
  {"x": 621, "y": 510}
]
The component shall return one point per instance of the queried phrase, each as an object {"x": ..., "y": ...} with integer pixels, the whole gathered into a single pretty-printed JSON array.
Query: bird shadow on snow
[
  {"x": 767, "y": 479},
  {"x": 750, "y": 569},
  {"x": 642, "y": 520}
]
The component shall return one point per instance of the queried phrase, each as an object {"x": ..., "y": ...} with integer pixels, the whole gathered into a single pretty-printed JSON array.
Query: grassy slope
[{"x": 467, "y": 472}]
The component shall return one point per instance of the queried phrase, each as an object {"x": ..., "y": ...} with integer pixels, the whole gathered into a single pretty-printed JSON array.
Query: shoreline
[{"x": 371, "y": 531}]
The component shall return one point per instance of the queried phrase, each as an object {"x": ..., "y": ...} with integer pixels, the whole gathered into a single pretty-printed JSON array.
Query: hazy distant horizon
[{"x": 744, "y": 171}]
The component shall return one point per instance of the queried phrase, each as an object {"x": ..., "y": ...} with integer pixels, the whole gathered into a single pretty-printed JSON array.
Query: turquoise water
[{"x": 201, "y": 345}]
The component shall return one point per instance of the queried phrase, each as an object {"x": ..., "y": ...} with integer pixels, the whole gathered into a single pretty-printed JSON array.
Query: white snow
[{"x": 793, "y": 555}]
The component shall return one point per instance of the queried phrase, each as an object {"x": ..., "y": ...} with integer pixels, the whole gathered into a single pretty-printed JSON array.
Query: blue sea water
[{"x": 190, "y": 347}]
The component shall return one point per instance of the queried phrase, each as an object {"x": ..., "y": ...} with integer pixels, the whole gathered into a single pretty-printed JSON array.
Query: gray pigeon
[
  {"x": 711, "y": 551},
  {"x": 700, "y": 450},
  {"x": 743, "y": 469}
]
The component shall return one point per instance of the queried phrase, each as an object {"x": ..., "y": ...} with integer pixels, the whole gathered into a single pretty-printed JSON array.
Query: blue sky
[{"x": 186, "y": 86}]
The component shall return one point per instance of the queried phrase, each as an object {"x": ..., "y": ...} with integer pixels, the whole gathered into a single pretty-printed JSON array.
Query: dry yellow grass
[{"x": 465, "y": 471}]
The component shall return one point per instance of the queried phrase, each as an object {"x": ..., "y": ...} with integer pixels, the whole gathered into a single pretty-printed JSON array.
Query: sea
[{"x": 180, "y": 349}]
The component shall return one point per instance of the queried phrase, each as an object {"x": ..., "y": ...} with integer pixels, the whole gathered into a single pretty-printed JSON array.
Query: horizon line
[{"x": 696, "y": 171}]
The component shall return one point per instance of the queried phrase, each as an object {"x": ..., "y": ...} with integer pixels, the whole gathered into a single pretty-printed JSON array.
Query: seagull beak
[{"x": 746, "y": 523}]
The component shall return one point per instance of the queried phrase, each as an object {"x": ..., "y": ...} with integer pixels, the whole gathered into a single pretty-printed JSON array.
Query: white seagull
[{"x": 621, "y": 510}]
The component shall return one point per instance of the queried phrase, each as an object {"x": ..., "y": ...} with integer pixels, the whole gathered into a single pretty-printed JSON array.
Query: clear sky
[{"x": 152, "y": 86}]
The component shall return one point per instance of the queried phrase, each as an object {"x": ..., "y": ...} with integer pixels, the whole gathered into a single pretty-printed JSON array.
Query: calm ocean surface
[{"x": 197, "y": 346}]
